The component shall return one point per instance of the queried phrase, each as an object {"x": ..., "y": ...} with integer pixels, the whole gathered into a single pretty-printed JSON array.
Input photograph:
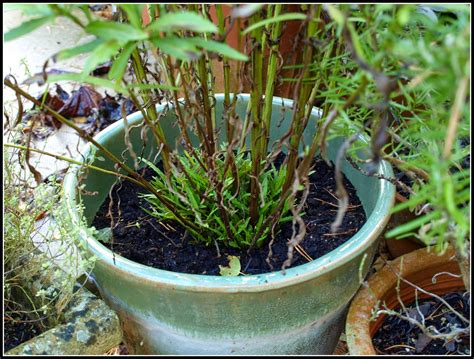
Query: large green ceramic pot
[{"x": 299, "y": 311}]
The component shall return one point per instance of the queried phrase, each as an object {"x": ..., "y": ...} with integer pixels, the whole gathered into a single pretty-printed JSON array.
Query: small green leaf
[
  {"x": 285, "y": 219},
  {"x": 357, "y": 44},
  {"x": 121, "y": 32},
  {"x": 101, "y": 54},
  {"x": 80, "y": 49},
  {"x": 233, "y": 269},
  {"x": 120, "y": 63},
  {"x": 336, "y": 14},
  {"x": 403, "y": 14},
  {"x": 26, "y": 28},
  {"x": 218, "y": 47},
  {"x": 151, "y": 165},
  {"x": 185, "y": 20},
  {"x": 283, "y": 17},
  {"x": 177, "y": 47},
  {"x": 193, "y": 198},
  {"x": 234, "y": 244},
  {"x": 104, "y": 235}
]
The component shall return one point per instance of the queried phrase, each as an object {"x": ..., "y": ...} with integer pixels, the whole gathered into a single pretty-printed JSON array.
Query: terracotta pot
[
  {"x": 399, "y": 247},
  {"x": 418, "y": 267}
]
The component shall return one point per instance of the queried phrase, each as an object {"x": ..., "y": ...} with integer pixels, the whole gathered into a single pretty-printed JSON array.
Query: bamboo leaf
[
  {"x": 283, "y": 17},
  {"x": 134, "y": 13},
  {"x": 177, "y": 47},
  {"x": 336, "y": 15},
  {"x": 185, "y": 20},
  {"x": 26, "y": 28},
  {"x": 120, "y": 32},
  {"x": 218, "y": 47},
  {"x": 101, "y": 54},
  {"x": 120, "y": 63},
  {"x": 80, "y": 49}
]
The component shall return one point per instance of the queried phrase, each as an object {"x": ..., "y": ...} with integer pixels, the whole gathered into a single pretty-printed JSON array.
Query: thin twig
[{"x": 455, "y": 115}]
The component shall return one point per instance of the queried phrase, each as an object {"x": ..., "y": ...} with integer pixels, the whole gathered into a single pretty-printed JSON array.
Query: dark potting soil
[
  {"x": 398, "y": 336},
  {"x": 18, "y": 329},
  {"x": 141, "y": 238}
]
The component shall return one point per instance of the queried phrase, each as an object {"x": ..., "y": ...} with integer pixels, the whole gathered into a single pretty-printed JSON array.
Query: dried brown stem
[{"x": 455, "y": 116}]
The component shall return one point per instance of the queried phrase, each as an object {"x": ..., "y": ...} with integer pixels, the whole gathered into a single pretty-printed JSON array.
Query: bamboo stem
[
  {"x": 301, "y": 97},
  {"x": 256, "y": 129},
  {"x": 271, "y": 78}
]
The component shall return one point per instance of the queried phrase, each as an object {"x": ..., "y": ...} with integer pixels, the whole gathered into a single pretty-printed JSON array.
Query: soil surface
[
  {"x": 398, "y": 336},
  {"x": 166, "y": 246},
  {"x": 18, "y": 330}
]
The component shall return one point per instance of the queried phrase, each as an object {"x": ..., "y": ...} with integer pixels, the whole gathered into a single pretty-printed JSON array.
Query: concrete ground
[{"x": 26, "y": 56}]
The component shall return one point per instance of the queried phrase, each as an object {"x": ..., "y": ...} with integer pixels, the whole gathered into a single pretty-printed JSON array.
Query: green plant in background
[
  {"x": 37, "y": 288},
  {"x": 430, "y": 132},
  {"x": 398, "y": 73}
]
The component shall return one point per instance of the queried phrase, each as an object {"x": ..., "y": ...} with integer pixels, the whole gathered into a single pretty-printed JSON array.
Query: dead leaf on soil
[{"x": 233, "y": 269}]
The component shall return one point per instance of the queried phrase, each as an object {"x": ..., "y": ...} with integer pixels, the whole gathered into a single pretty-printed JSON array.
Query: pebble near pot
[{"x": 300, "y": 311}]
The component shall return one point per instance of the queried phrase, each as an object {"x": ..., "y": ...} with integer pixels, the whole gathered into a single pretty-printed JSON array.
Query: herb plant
[{"x": 42, "y": 263}]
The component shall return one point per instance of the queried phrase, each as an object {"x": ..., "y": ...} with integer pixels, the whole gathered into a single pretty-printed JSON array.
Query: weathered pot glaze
[
  {"x": 300, "y": 311},
  {"x": 418, "y": 267}
]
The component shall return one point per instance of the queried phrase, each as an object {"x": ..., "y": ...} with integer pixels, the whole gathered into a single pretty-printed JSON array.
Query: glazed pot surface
[{"x": 299, "y": 311}]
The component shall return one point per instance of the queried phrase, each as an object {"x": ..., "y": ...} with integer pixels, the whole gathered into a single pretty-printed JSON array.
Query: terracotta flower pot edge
[{"x": 418, "y": 267}]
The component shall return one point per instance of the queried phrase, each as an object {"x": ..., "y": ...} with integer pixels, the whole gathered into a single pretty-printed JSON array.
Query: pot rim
[
  {"x": 359, "y": 327},
  {"x": 353, "y": 247}
]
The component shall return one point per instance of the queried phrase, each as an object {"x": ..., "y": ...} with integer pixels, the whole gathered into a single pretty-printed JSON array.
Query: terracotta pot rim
[{"x": 359, "y": 327}]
